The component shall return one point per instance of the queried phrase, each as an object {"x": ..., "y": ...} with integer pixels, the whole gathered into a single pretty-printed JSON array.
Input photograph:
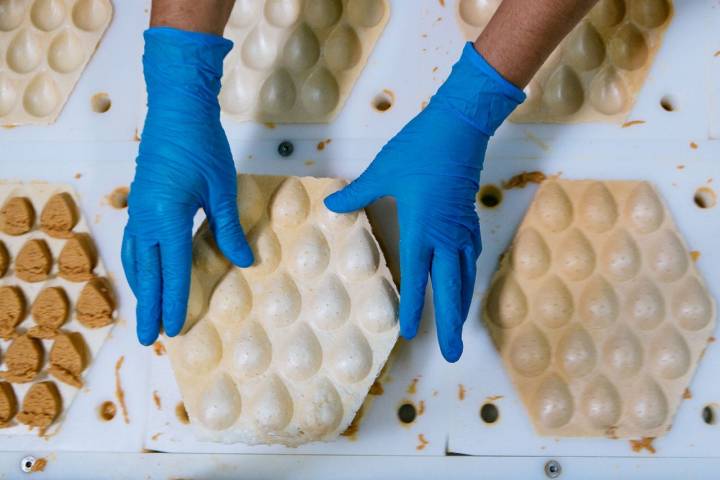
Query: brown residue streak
[
  {"x": 695, "y": 255},
  {"x": 442, "y": 3},
  {"x": 687, "y": 394},
  {"x": 118, "y": 198},
  {"x": 157, "y": 400},
  {"x": 680, "y": 167},
  {"x": 107, "y": 410},
  {"x": 421, "y": 407},
  {"x": 435, "y": 69},
  {"x": 270, "y": 125},
  {"x": 376, "y": 388},
  {"x": 352, "y": 430},
  {"x": 711, "y": 339},
  {"x": 522, "y": 179},
  {"x": 423, "y": 442},
  {"x": 309, "y": 163},
  {"x": 155, "y": 436},
  {"x": 494, "y": 398},
  {"x": 322, "y": 144},
  {"x": 78, "y": 176},
  {"x": 645, "y": 443},
  {"x": 631, "y": 123},
  {"x": 693, "y": 145},
  {"x": 181, "y": 413},
  {"x": 136, "y": 136},
  {"x": 717, "y": 53},
  {"x": 119, "y": 392},
  {"x": 412, "y": 388},
  {"x": 461, "y": 392},
  {"x": 611, "y": 432},
  {"x": 39, "y": 465},
  {"x": 159, "y": 348}
]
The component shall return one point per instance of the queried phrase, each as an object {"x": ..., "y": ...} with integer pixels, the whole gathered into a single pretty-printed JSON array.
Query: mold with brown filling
[
  {"x": 8, "y": 404},
  {"x": 68, "y": 358},
  {"x": 12, "y": 310},
  {"x": 96, "y": 304},
  {"x": 59, "y": 216},
  {"x": 17, "y": 216},
  {"x": 4, "y": 259},
  {"x": 24, "y": 359},
  {"x": 34, "y": 261},
  {"x": 41, "y": 406},
  {"x": 50, "y": 311},
  {"x": 78, "y": 258}
]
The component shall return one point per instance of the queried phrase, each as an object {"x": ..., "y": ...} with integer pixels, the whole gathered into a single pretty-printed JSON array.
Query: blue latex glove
[
  {"x": 184, "y": 164},
  {"x": 432, "y": 168}
]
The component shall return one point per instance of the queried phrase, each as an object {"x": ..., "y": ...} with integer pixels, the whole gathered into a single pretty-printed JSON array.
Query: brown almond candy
[
  {"x": 4, "y": 259},
  {"x": 68, "y": 358},
  {"x": 50, "y": 311},
  {"x": 78, "y": 258},
  {"x": 12, "y": 310},
  {"x": 24, "y": 359},
  {"x": 17, "y": 216},
  {"x": 96, "y": 304},
  {"x": 41, "y": 406},
  {"x": 34, "y": 261},
  {"x": 8, "y": 404},
  {"x": 59, "y": 216}
]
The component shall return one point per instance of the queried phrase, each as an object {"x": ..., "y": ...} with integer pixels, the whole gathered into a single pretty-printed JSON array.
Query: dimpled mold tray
[
  {"x": 596, "y": 72},
  {"x": 295, "y": 61},
  {"x": 45, "y": 46},
  {"x": 286, "y": 350},
  {"x": 598, "y": 311},
  {"x": 56, "y": 305}
]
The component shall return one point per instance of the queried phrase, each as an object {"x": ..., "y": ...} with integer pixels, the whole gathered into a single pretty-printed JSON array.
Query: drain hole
[
  {"x": 383, "y": 101},
  {"x": 489, "y": 413},
  {"x": 407, "y": 413},
  {"x": 285, "y": 148},
  {"x": 705, "y": 197},
  {"x": 490, "y": 196},
  {"x": 708, "y": 415},
  {"x": 668, "y": 103},
  {"x": 100, "y": 102}
]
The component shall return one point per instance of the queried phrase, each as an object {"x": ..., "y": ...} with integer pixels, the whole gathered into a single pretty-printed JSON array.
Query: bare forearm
[
  {"x": 208, "y": 16},
  {"x": 522, "y": 33}
]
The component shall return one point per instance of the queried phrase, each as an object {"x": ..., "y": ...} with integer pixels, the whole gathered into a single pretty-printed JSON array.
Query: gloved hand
[
  {"x": 432, "y": 168},
  {"x": 184, "y": 164}
]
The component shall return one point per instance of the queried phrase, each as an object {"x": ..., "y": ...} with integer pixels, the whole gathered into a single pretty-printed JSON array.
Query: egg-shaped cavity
[
  {"x": 600, "y": 403},
  {"x": 477, "y": 12},
  {"x": 290, "y": 204},
  {"x": 366, "y": 13},
  {"x": 206, "y": 256},
  {"x": 585, "y": 49},
  {"x": 277, "y": 94},
  {"x": 245, "y": 12},
  {"x": 359, "y": 256},
  {"x": 650, "y": 13},
  {"x": 530, "y": 352},
  {"x": 259, "y": 49},
  {"x": 691, "y": 305},
  {"x": 282, "y": 13},
  {"x": 321, "y": 411},
  {"x": 329, "y": 219},
  {"x": 644, "y": 305},
  {"x": 278, "y": 301},
  {"x": 576, "y": 352},
  {"x": 302, "y": 49},
  {"x": 643, "y": 209},
  {"x": 201, "y": 348},
  {"x": 628, "y": 49},
  {"x": 622, "y": 353},
  {"x": 266, "y": 250},
  {"x": 272, "y": 406},
  {"x": 237, "y": 94},
  {"x": 351, "y": 357},
  {"x": 196, "y": 302},
  {"x": 705, "y": 197},
  {"x": 552, "y": 403},
  {"x": 553, "y": 208},
  {"x": 250, "y": 201},
  {"x": 250, "y": 351},
  {"x": 320, "y": 93},
  {"x": 575, "y": 256},
  {"x": 597, "y": 209},
  {"x": 620, "y": 256},
  {"x": 506, "y": 304},
  {"x": 24, "y": 53},
  {"x": 309, "y": 255},
  {"x": 343, "y": 48},
  {"x": 329, "y": 303},
  {"x": 12, "y": 13},
  {"x": 377, "y": 309},
  {"x": 669, "y": 353},
  {"x": 47, "y": 15},
  {"x": 300, "y": 357},
  {"x": 563, "y": 94},
  {"x": 530, "y": 256},
  {"x": 608, "y": 92},
  {"x": 220, "y": 404},
  {"x": 90, "y": 15},
  {"x": 8, "y": 94},
  {"x": 667, "y": 256},
  {"x": 231, "y": 301},
  {"x": 553, "y": 303},
  {"x": 598, "y": 305},
  {"x": 323, "y": 13},
  {"x": 41, "y": 96},
  {"x": 608, "y": 13},
  {"x": 66, "y": 52},
  {"x": 648, "y": 405}
]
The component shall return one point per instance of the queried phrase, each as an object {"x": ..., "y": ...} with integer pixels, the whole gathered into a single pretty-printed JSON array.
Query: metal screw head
[
  {"x": 553, "y": 469},
  {"x": 285, "y": 148},
  {"x": 27, "y": 463}
]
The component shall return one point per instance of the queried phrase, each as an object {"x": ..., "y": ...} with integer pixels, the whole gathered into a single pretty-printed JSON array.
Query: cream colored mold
[
  {"x": 45, "y": 46},
  {"x": 286, "y": 350},
  {"x": 598, "y": 70},
  {"x": 598, "y": 311}
]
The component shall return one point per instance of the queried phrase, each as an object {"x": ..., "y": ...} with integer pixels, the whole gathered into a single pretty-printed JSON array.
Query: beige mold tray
[
  {"x": 295, "y": 61},
  {"x": 598, "y": 311},
  {"x": 285, "y": 351},
  {"x": 56, "y": 305},
  {"x": 597, "y": 71},
  {"x": 45, "y": 46}
]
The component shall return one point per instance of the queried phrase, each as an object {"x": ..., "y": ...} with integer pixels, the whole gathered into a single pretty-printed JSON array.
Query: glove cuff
[{"x": 478, "y": 92}]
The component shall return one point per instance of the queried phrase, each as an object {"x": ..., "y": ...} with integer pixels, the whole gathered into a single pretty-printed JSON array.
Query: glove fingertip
[
  {"x": 335, "y": 202},
  {"x": 174, "y": 318},
  {"x": 452, "y": 351}
]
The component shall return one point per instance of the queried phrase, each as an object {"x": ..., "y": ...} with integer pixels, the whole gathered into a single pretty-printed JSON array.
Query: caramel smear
[
  {"x": 631, "y": 123},
  {"x": 118, "y": 198},
  {"x": 461, "y": 392},
  {"x": 17, "y": 216},
  {"x": 4, "y": 259},
  {"x": 39, "y": 465},
  {"x": 78, "y": 258},
  {"x": 687, "y": 394},
  {"x": 41, "y": 406},
  {"x": 645, "y": 443},
  {"x": 96, "y": 304},
  {"x": 181, "y": 413},
  {"x": 24, "y": 359},
  {"x": 157, "y": 400},
  {"x": 324, "y": 143},
  {"x": 68, "y": 358},
  {"x": 159, "y": 348},
  {"x": 119, "y": 392},
  {"x": 423, "y": 442},
  {"x": 376, "y": 388},
  {"x": 8, "y": 404},
  {"x": 12, "y": 310},
  {"x": 59, "y": 216},
  {"x": 522, "y": 179},
  {"x": 34, "y": 261},
  {"x": 695, "y": 255},
  {"x": 107, "y": 410},
  {"x": 412, "y": 388},
  {"x": 50, "y": 311}
]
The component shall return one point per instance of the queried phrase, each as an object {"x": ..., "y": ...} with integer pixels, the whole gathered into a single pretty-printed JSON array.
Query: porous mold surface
[
  {"x": 598, "y": 311},
  {"x": 285, "y": 351}
]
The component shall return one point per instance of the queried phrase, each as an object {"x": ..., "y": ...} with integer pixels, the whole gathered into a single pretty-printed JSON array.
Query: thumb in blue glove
[{"x": 432, "y": 168}]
